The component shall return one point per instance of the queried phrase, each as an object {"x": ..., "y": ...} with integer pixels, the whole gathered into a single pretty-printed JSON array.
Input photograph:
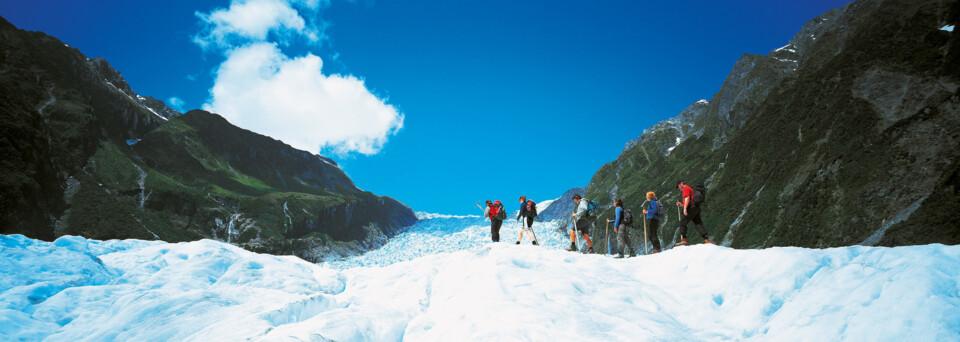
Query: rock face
[
  {"x": 847, "y": 135},
  {"x": 86, "y": 155}
]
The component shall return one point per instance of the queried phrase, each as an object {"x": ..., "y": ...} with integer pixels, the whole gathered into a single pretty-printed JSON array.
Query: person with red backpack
[
  {"x": 528, "y": 210},
  {"x": 496, "y": 214},
  {"x": 692, "y": 203},
  {"x": 654, "y": 215}
]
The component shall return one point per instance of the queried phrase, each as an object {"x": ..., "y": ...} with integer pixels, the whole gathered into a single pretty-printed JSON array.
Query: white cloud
[
  {"x": 254, "y": 20},
  {"x": 176, "y": 103},
  {"x": 260, "y": 88}
]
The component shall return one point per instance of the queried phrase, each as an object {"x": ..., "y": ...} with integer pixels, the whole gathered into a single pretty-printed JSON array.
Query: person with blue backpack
[
  {"x": 622, "y": 219},
  {"x": 655, "y": 215},
  {"x": 581, "y": 217}
]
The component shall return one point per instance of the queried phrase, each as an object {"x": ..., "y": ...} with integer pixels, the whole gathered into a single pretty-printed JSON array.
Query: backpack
[
  {"x": 501, "y": 214},
  {"x": 659, "y": 214},
  {"x": 627, "y": 217},
  {"x": 699, "y": 194},
  {"x": 591, "y": 208},
  {"x": 531, "y": 208}
]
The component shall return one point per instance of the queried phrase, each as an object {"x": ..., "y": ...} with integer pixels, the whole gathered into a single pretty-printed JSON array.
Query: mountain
[
  {"x": 561, "y": 208},
  {"x": 847, "y": 135},
  {"x": 131, "y": 290},
  {"x": 86, "y": 155}
]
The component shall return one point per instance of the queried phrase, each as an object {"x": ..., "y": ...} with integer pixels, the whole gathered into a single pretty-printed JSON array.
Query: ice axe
[{"x": 608, "y": 238}]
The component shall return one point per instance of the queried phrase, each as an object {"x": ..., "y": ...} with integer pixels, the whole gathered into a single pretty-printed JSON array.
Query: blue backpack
[
  {"x": 591, "y": 208},
  {"x": 657, "y": 208}
]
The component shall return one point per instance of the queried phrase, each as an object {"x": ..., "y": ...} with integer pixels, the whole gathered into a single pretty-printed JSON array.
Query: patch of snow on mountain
[
  {"x": 948, "y": 28},
  {"x": 543, "y": 205}
]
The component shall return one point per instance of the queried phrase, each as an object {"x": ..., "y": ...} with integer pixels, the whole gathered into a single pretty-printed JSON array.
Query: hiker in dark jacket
[
  {"x": 527, "y": 213},
  {"x": 620, "y": 227},
  {"x": 523, "y": 208},
  {"x": 652, "y": 215},
  {"x": 691, "y": 212}
]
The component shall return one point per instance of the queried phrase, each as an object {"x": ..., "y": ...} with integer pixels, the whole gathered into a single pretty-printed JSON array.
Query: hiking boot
[
  {"x": 619, "y": 256},
  {"x": 683, "y": 242},
  {"x": 655, "y": 251},
  {"x": 632, "y": 254},
  {"x": 535, "y": 243},
  {"x": 518, "y": 242},
  {"x": 589, "y": 250},
  {"x": 707, "y": 241},
  {"x": 572, "y": 247}
]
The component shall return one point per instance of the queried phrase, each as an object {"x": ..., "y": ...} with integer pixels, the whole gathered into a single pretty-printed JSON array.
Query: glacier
[{"x": 444, "y": 280}]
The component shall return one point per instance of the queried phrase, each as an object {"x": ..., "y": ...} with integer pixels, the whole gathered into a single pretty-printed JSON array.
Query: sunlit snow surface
[
  {"x": 434, "y": 234},
  {"x": 445, "y": 282}
]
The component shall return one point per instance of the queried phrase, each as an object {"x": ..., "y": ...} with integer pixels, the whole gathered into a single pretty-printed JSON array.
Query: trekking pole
[
  {"x": 645, "y": 250},
  {"x": 534, "y": 235},
  {"x": 573, "y": 231}
]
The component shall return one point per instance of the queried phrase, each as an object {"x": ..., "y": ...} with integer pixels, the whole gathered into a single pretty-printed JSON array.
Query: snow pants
[
  {"x": 652, "y": 226},
  {"x": 495, "y": 229},
  {"x": 693, "y": 214},
  {"x": 623, "y": 239}
]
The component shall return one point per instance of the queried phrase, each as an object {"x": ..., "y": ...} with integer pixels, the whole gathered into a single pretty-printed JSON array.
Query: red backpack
[{"x": 495, "y": 211}]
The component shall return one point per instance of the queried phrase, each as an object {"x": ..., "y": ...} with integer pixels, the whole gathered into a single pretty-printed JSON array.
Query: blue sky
[{"x": 439, "y": 104}]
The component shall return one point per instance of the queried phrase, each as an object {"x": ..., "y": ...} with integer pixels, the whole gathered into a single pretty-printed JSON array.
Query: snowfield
[{"x": 76, "y": 289}]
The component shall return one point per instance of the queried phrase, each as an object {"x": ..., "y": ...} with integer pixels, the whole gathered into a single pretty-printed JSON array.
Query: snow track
[{"x": 77, "y": 289}]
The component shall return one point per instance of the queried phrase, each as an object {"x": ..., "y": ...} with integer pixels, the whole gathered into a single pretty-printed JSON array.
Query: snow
[
  {"x": 788, "y": 47},
  {"x": 948, "y": 28},
  {"x": 140, "y": 102},
  {"x": 79, "y": 289},
  {"x": 670, "y": 149},
  {"x": 428, "y": 216},
  {"x": 543, "y": 205},
  {"x": 435, "y": 234}
]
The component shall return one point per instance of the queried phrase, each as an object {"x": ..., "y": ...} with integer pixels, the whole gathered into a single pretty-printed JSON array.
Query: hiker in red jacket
[
  {"x": 496, "y": 214},
  {"x": 691, "y": 212}
]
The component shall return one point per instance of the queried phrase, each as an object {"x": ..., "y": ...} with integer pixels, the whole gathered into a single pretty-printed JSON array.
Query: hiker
[
  {"x": 528, "y": 210},
  {"x": 691, "y": 212},
  {"x": 620, "y": 224},
  {"x": 496, "y": 214},
  {"x": 582, "y": 223},
  {"x": 654, "y": 213}
]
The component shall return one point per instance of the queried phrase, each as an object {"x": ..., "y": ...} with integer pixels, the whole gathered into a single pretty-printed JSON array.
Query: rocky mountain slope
[
  {"x": 86, "y": 155},
  {"x": 847, "y": 135}
]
